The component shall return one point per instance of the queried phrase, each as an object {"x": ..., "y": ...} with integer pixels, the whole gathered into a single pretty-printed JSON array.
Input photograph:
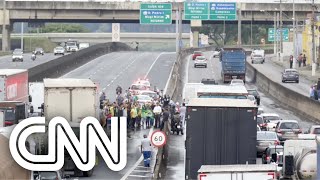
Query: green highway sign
[
  {"x": 210, "y": 11},
  {"x": 223, "y": 11},
  {"x": 271, "y": 34},
  {"x": 196, "y": 10},
  {"x": 156, "y": 13}
]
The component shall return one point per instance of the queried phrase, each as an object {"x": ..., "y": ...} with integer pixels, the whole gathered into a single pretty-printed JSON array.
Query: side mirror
[{"x": 30, "y": 98}]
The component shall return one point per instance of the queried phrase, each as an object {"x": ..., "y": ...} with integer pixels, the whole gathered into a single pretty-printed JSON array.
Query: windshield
[
  {"x": 17, "y": 52},
  {"x": 144, "y": 97},
  {"x": 138, "y": 87},
  {"x": 197, "y": 52},
  {"x": 289, "y": 125},
  {"x": 316, "y": 131},
  {"x": 59, "y": 48},
  {"x": 291, "y": 71},
  {"x": 259, "y": 120},
  {"x": 71, "y": 44},
  {"x": 201, "y": 58},
  {"x": 253, "y": 92},
  {"x": 266, "y": 136}
]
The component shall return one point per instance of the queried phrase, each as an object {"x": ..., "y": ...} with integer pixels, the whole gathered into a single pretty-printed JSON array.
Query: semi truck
[
  {"x": 74, "y": 100},
  {"x": 14, "y": 95},
  {"x": 300, "y": 157},
  {"x": 233, "y": 64},
  {"x": 239, "y": 172},
  {"x": 219, "y": 131}
]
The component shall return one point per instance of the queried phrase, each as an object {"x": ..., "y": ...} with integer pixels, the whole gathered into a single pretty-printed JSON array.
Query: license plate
[
  {"x": 234, "y": 77},
  {"x": 178, "y": 127}
]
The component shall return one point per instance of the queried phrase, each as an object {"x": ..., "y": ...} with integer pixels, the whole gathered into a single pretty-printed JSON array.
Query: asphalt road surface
[
  {"x": 175, "y": 165},
  {"x": 123, "y": 68},
  {"x": 6, "y": 61}
]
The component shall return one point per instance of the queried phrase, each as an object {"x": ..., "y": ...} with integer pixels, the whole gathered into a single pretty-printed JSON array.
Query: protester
[
  {"x": 304, "y": 59},
  {"x": 291, "y": 61},
  {"x": 146, "y": 150}
]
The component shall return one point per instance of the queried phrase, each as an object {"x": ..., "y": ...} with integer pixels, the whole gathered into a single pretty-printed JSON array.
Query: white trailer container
[
  {"x": 36, "y": 91},
  {"x": 239, "y": 172},
  {"x": 73, "y": 99},
  {"x": 190, "y": 91}
]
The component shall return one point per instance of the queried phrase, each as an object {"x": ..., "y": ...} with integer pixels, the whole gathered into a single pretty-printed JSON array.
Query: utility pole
[
  {"x": 177, "y": 30},
  {"x": 3, "y": 25},
  {"x": 239, "y": 27},
  {"x": 275, "y": 34},
  {"x": 294, "y": 36},
  {"x": 180, "y": 26},
  {"x": 281, "y": 44},
  {"x": 22, "y": 36},
  {"x": 277, "y": 38},
  {"x": 251, "y": 29},
  {"x": 313, "y": 41},
  {"x": 224, "y": 33}
]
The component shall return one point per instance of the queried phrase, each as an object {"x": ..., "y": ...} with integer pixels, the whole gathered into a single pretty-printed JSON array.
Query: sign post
[
  {"x": 158, "y": 138},
  {"x": 156, "y": 13},
  {"x": 115, "y": 32}
]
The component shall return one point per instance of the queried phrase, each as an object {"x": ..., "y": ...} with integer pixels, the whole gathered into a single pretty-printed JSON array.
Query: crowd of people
[
  {"x": 141, "y": 115},
  {"x": 301, "y": 60}
]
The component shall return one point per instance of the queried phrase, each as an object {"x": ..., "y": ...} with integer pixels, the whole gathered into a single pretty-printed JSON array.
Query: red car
[{"x": 196, "y": 53}]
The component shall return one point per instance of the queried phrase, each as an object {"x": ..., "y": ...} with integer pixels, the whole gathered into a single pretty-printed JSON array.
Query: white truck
[
  {"x": 258, "y": 52},
  {"x": 300, "y": 157},
  {"x": 73, "y": 99},
  {"x": 36, "y": 91},
  {"x": 83, "y": 45},
  {"x": 239, "y": 172},
  {"x": 190, "y": 91}
]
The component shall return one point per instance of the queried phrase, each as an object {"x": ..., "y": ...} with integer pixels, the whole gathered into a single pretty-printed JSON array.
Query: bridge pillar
[{"x": 6, "y": 40}]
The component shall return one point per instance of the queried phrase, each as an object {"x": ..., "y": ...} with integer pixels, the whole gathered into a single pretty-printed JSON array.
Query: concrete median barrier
[
  {"x": 301, "y": 104},
  {"x": 67, "y": 63}
]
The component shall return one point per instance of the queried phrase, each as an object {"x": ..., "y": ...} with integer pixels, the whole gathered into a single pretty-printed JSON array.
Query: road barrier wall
[
  {"x": 67, "y": 63},
  {"x": 301, "y": 104}
]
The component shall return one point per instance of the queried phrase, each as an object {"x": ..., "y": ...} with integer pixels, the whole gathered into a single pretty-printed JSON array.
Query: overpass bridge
[
  {"x": 107, "y": 37},
  {"x": 255, "y": 11}
]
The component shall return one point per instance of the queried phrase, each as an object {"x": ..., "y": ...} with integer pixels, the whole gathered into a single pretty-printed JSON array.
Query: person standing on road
[
  {"x": 134, "y": 115},
  {"x": 300, "y": 59},
  {"x": 165, "y": 118},
  {"x": 183, "y": 111},
  {"x": 157, "y": 111},
  {"x": 291, "y": 61},
  {"x": 304, "y": 59},
  {"x": 146, "y": 150}
]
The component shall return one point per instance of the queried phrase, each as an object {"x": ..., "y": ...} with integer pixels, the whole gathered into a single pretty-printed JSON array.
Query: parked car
[
  {"x": 216, "y": 53},
  {"x": 59, "y": 50},
  {"x": 236, "y": 82},
  {"x": 17, "y": 55},
  {"x": 315, "y": 129},
  {"x": 200, "y": 61},
  {"x": 271, "y": 119},
  {"x": 290, "y": 75},
  {"x": 265, "y": 139},
  {"x": 255, "y": 93},
  {"x": 288, "y": 129},
  {"x": 257, "y": 58},
  {"x": 266, "y": 157},
  {"x": 196, "y": 54},
  {"x": 261, "y": 123},
  {"x": 39, "y": 51}
]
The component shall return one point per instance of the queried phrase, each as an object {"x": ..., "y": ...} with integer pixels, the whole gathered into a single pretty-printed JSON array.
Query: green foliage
[
  {"x": 62, "y": 28},
  {"x": 215, "y": 32},
  {"x": 30, "y": 43}
]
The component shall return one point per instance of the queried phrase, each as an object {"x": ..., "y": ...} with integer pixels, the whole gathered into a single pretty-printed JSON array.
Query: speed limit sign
[{"x": 158, "y": 138}]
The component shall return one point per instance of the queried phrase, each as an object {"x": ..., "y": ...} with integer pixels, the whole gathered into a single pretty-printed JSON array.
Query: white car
[
  {"x": 17, "y": 55},
  {"x": 252, "y": 99},
  {"x": 271, "y": 119},
  {"x": 216, "y": 53},
  {"x": 143, "y": 99},
  {"x": 236, "y": 82},
  {"x": 200, "y": 61},
  {"x": 144, "y": 82},
  {"x": 59, "y": 50},
  {"x": 257, "y": 59},
  {"x": 149, "y": 93},
  {"x": 136, "y": 88}
]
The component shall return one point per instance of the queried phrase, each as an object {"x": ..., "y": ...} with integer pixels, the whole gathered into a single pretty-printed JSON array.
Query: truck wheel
[{"x": 88, "y": 173}]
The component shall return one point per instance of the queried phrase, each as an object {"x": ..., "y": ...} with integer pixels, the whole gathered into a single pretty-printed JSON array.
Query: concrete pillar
[
  {"x": 195, "y": 32},
  {"x": 6, "y": 40}
]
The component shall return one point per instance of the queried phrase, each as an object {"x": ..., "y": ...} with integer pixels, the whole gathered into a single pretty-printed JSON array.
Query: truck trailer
[
  {"x": 220, "y": 132},
  {"x": 74, "y": 100},
  {"x": 233, "y": 64},
  {"x": 14, "y": 95}
]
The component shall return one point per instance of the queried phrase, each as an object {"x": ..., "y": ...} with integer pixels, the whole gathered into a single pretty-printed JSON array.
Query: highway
[
  {"x": 175, "y": 165},
  {"x": 123, "y": 68},
  {"x": 6, "y": 61}
]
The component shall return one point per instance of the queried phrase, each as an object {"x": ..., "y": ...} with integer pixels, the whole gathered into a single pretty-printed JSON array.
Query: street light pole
[
  {"x": 294, "y": 36},
  {"x": 275, "y": 34},
  {"x": 251, "y": 29},
  {"x": 281, "y": 44},
  {"x": 313, "y": 42}
]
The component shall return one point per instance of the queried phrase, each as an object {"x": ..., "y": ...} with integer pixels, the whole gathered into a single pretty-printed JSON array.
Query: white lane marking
[
  {"x": 166, "y": 87},
  {"x": 138, "y": 162},
  {"x": 92, "y": 61},
  {"x": 143, "y": 171},
  {"x": 154, "y": 62}
]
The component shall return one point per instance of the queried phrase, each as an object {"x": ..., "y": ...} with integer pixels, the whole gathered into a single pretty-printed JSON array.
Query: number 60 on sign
[{"x": 158, "y": 138}]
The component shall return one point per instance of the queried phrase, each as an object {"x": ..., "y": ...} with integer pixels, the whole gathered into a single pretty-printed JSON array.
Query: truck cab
[{"x": 14, "y": 111}]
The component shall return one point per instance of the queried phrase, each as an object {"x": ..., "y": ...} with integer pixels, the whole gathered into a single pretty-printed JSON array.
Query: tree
[{"x": 62, "y": 28}]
